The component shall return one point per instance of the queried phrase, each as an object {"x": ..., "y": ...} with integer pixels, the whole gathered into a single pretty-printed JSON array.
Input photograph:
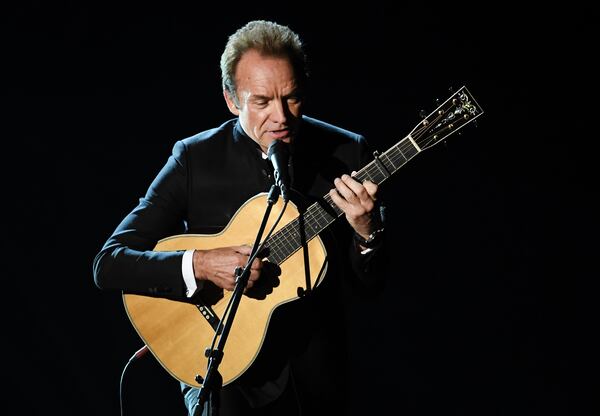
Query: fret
[{"x": 388, "y": 161}]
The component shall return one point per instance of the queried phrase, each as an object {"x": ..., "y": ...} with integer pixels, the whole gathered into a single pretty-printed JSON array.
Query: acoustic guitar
[{"x": 177, "y": 332}]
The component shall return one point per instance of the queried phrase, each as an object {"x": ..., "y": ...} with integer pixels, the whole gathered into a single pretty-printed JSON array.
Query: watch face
[
  {"x": 364, "y": 242},
  {"x": 369, "y": 242}
]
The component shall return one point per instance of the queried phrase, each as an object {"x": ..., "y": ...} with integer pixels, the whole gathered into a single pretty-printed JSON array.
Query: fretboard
[{"x": 319, "y": 215}]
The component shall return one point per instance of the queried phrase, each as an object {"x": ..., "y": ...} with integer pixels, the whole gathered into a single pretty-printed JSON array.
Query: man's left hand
[{"x": 357, "y": 200}]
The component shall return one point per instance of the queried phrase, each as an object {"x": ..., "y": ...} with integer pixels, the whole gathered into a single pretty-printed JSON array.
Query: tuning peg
[
  {"x": 451, "y": 90},
  {"x": 422, "y": 113},
  {"x": 474, "y": 123}
]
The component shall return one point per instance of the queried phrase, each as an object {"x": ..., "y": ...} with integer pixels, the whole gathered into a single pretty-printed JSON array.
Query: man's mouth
[{"x": 280, "y": 134}]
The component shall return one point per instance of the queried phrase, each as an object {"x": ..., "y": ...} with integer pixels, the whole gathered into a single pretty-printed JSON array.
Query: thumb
[{"x": 244, "y": 249}]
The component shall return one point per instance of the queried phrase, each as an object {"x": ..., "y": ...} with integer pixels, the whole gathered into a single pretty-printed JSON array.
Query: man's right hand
[{"x": 218, "y": 265}]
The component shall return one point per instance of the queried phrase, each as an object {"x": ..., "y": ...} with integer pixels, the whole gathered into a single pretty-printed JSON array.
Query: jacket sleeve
[
  {"x": 127, "y": 260},
  {"x": 370, "y": 268}
]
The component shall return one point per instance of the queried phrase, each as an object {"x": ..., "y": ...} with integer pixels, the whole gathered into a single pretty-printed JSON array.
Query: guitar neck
[{"x": 454, "y": 113}]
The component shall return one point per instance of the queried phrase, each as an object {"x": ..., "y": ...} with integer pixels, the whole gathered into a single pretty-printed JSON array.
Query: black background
[{"x": 490, "y": 228}]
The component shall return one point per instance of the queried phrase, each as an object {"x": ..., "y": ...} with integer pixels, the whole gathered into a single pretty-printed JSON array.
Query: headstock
[{"x": 456, "y": 112}]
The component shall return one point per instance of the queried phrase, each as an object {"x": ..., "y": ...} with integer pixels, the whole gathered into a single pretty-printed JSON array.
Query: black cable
[{"x": 139, "y": 353}]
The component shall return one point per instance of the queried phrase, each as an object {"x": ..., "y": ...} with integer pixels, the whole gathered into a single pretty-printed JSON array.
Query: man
[{"x": 300, "y": 368}]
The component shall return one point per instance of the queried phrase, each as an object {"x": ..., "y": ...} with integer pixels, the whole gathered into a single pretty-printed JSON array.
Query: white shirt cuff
[{"x": 187, "y": 270}]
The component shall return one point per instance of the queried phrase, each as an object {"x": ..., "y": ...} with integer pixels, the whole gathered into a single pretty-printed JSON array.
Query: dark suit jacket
[{"x": 204, "y": 182}]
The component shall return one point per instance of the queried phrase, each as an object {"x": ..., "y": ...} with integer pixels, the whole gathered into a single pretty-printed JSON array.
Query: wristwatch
[{"x": 372, "y": 241}]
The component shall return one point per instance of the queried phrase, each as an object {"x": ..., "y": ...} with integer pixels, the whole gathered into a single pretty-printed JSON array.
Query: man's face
[{"x": 269, "y": 101}]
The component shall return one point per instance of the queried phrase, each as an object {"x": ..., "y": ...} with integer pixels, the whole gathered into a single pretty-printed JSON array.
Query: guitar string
[{"x": 282, "y": 239}]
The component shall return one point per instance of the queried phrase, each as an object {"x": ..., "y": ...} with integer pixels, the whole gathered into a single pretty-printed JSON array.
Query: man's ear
[{"x": 231, "y": 103}]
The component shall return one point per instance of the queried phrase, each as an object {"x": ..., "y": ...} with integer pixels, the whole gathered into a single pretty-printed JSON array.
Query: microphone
[{"x": 279, "y": 155}]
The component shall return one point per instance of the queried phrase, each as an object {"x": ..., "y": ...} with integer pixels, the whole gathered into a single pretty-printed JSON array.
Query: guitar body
[{"x": 177, "y": 333}]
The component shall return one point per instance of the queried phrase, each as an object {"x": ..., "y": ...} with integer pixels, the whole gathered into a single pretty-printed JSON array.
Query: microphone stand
[{"x": 213, "y": 382}]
